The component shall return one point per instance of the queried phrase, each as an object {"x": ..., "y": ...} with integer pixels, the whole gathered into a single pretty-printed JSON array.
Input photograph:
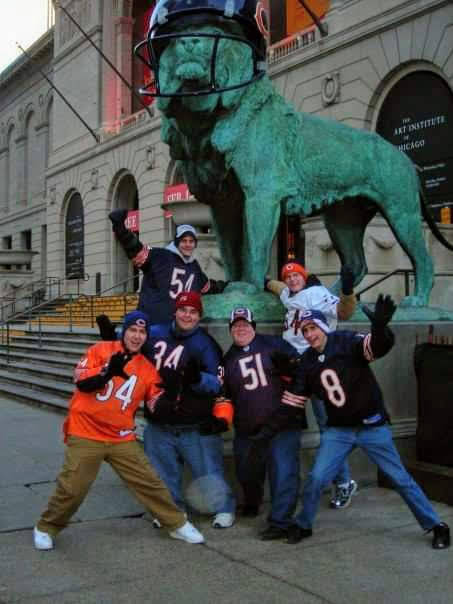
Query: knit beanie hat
[
  {"x": 317, "y": 317},
  {"x": 190, "y": 299},
  {"x": 294, "y": 267},
  {"x": 136, "y": 317}
]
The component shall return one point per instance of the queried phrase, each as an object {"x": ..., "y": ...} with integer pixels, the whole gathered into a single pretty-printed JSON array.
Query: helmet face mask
[{"x": 217, "y": 21}]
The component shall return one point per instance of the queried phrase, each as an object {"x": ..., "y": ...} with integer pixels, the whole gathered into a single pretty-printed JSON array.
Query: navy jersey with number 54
[
  {"x": 165, "y": 275},
  {"x": 340, "y": 375}
]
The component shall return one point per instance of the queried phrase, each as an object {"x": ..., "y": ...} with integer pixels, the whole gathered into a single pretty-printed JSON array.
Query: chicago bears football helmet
[{"x": 171, "y": 16}]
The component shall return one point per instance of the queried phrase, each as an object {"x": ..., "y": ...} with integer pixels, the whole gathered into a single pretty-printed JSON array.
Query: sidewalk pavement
[{"x": 372, "y": 552}]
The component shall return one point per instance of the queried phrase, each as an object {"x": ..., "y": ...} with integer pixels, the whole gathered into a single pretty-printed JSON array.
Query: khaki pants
[{"x": 81, "y": 466}]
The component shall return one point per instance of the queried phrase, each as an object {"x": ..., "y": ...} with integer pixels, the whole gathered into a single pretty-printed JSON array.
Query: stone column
[
  {"x": 123, "y": 37},
  {"x": 4, "y": 176},
  {"x": 42, "y": 132},
  {"x": 21, "y": 191}
]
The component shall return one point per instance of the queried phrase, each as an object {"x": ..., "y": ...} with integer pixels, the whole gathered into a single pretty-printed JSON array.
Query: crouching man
[
  {"x": 111, "y": 381},
  {"x": 336, "y": 369}
]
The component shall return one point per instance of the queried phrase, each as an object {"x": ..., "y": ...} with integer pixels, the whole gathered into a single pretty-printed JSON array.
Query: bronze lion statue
[{"x": 249, "y": 155}]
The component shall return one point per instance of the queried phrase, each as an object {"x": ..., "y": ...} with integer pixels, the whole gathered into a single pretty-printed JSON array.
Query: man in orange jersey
[{"x": 112, "y": 379}]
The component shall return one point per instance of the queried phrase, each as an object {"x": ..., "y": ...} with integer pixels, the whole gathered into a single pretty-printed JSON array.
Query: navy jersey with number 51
[{"x": 251, "y": 384}]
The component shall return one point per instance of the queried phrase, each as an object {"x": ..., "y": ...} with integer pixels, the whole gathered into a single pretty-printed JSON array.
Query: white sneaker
[
  {"x": 187, "y": 532},
  {"x": 42, "y": 540},
  {"x": 223, "y": 520}
]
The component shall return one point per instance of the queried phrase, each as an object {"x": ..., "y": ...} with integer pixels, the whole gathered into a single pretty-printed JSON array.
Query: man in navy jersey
[
  {"x": 166, "y": 271},
  {"x": 336, "y": 369},
  {"x": 182, "y": 428},
  {"x": 267, "y": 433}
]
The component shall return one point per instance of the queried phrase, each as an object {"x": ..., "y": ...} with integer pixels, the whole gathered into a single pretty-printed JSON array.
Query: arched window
[
  {"x": 417, "y": 117},
  {"x": 74, "y": 237}
]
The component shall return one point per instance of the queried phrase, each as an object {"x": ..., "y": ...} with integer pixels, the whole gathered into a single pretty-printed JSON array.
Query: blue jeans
[
  {"x": 336, "y": 444},
  {"x": 283, "y": 469},
  {"x": 168, "y": 448},
  {"x": 344, "y": 475}
]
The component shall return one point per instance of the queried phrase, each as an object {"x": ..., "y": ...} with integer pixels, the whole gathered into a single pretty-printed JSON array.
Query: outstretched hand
[
  {"x": 117, "y": 218},
  {"x": 106, "y": 328},
  {"x": 383, "y": 311},
  {"x": 347, "y": 279},
  {"x": 116, "y": 365}
]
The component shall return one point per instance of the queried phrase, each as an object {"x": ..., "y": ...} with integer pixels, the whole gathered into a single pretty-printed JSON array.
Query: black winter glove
[
  {"x": 192, "y": 373},
  {"x": 347, "y": 280},
  {"x": 129, "y": 240},
  {"x": 116, "y": 365},
  {"x": 213, "y": 425},
  {"x": 383, "y": 311},
  {"x": 283, "y": 363},
  {"x": 106, "y": 328},
  {"x": 171, "y": 382},
  {"x": 216, "y": 286},
  {"x": 117, "y": 218}
]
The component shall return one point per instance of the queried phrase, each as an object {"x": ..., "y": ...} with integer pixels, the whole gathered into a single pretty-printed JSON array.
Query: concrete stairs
[
  {"x": 84, "y": 310},
  {"x": 37, "y": 368}
]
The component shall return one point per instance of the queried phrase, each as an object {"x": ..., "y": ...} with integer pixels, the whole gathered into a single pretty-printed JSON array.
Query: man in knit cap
[{"x": 112, "y": 379}]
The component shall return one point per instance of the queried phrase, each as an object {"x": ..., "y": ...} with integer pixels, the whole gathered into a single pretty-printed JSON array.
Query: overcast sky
[{"x": 22, "y": 21}]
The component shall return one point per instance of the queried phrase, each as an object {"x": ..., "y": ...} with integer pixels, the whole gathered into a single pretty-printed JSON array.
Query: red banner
[{"x": 177, "y": 193}]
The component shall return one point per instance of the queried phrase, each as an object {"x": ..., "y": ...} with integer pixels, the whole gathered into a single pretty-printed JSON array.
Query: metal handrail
[
  {"x": 46, "y": 283},
  {"x": 399, "y": 271},
  {"x": 91, "y": 297}
]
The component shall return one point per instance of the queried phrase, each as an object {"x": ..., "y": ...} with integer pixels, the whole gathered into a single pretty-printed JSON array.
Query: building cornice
[
  {"x": 371, "y": 26},
  {"x": 43, "y": 46}
]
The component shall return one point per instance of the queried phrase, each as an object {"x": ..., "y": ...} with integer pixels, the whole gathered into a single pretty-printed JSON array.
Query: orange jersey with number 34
[{"x": 108, "y": 414}]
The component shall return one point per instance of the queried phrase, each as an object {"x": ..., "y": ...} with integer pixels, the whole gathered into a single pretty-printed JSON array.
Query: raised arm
[{"x": 381, "y": 339}]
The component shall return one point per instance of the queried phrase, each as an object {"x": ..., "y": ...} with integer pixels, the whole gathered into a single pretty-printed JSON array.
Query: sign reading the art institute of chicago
[{"x": 417, "y": 117}]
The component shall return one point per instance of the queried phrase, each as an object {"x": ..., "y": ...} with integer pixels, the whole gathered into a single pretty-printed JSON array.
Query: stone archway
[{"x": 125, "y": 196}]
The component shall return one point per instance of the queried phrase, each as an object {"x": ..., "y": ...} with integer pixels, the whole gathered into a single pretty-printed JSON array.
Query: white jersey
[{"x": 316, "y": 297}]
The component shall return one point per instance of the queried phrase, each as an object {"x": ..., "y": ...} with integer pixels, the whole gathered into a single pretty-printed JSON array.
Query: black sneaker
[
  {"x": 273, "y": 532},
  {"x": 342, "y": 495},
  {"x": 296, "y": 533},
  {"x": 441, "y": 536}
]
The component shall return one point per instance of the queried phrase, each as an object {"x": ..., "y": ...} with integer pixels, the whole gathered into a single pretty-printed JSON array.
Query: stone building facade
[{"x": 58, "y": 183}]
